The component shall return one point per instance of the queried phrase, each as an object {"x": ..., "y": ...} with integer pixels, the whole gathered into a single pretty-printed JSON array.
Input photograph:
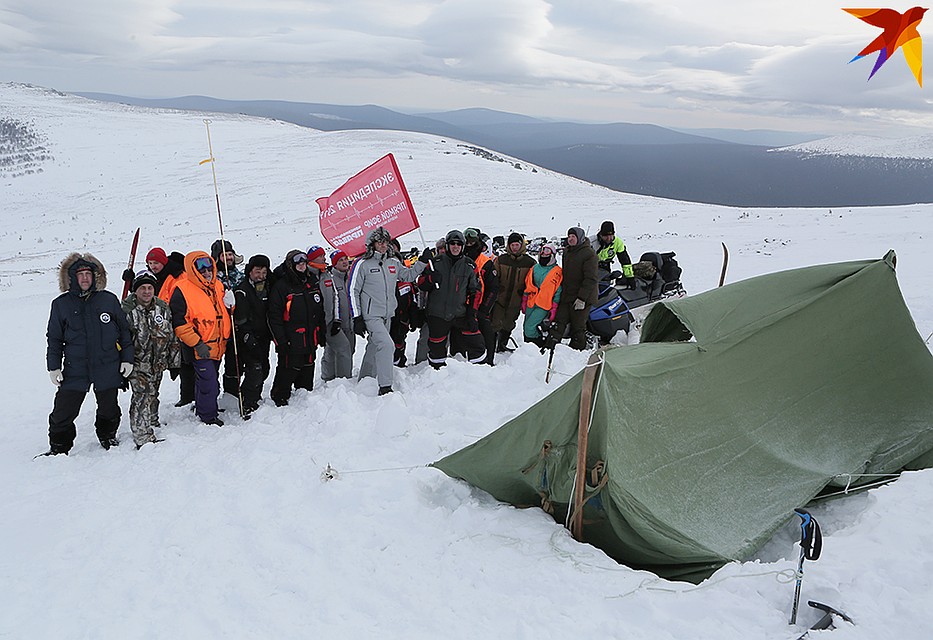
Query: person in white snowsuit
[
  {"x": 341, "y": 341},
  {"x": 372, "y": 283}
]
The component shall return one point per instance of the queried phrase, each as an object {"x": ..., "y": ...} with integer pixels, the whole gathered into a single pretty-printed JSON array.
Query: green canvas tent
[{"x": 739, "y": 405}]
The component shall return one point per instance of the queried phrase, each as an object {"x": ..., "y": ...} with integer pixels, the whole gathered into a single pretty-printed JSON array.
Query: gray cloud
[{"x": 688, "y": 63}]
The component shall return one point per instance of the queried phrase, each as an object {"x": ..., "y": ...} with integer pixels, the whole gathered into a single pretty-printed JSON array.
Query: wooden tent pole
[{"x": 583, "y": 428}]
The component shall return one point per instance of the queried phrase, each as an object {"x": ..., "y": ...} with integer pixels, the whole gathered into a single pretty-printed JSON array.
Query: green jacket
[{"x": 606, "y": 252}]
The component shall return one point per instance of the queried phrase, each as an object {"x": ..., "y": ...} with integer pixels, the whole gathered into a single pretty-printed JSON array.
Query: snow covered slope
[
  {"x": 870, "y": 146},
  {"x": 231, "y": 532}
]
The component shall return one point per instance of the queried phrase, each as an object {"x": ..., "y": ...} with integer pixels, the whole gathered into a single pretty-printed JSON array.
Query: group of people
[{"x": 185, "y": 314}]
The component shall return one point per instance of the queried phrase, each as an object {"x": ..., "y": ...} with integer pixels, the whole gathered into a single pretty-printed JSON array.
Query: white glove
[
  {"x": 578, "y": 304},
  {"x": 229, "y": 298},
  {"x": 56, "y": 377},
  {"x": 126, "y": 368}
]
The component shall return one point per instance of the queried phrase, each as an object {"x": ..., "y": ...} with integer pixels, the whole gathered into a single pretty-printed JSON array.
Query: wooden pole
[{"x": 583, "y": 428}]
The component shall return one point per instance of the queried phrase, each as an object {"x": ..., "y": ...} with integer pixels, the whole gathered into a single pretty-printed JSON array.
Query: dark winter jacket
[
  {"x": 250, "y": 315},
  {"x": 513, "y": 269},
  {"x": 579, "y": 265},
  {"x": 296, "y": 315},
  {"x": 90, "y": 333},
  {"x": 156, "y": 347},
  {"x": 453, "y": 285}
]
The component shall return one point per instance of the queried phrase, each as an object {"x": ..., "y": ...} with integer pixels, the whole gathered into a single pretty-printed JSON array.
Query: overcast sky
[{"x": 682, "y": 63}]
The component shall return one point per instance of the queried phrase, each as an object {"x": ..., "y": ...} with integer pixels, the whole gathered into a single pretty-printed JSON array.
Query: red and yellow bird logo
[{"x": 900, "y": 30}]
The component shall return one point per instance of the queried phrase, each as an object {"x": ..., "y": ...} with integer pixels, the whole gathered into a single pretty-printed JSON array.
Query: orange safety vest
[
  {"x": 206, "y": 318},
  {"x": 168, "y": 287},
  {"x": 481, "y": 260},
  {"x": 544, "y": 296}
]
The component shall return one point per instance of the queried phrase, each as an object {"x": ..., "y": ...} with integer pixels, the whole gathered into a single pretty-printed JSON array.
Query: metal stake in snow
[
  {"x": 811, "y": 544},
  {"x": 223, "y": 247}
]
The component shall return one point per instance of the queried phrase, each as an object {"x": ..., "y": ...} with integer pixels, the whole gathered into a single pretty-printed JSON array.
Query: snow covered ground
[
  {"x": 231, "y": 532},
  {"x": 861, "y": 145}
]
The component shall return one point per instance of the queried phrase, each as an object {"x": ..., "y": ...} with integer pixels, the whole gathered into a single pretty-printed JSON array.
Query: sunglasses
[
  {"x": 456, "y": 242},
  {"x": 298, "y": 258},
  {"x": 204, "y": 264}
]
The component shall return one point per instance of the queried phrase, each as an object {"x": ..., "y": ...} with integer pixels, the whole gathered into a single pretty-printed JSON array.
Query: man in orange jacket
[{"x": 202, "y": 323}]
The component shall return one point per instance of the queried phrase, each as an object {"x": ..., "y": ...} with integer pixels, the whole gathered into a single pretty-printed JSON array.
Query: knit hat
[
  {"x": 84, "y": 265},
  {"x": 157, "y": 254},
  {"x": 515, "y": 237},
  {"x": 606, "y": 228},
  {"x": 336, "y": 255},
  {"x": 471, "y": 233},
  {"x": 144, "y": 277},
  {"x": 258, "y": 260},
  {"x": 315, "y": 254}
]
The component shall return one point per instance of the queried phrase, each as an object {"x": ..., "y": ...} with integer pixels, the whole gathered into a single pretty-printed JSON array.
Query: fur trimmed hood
[{"x": 67, "y": 280}]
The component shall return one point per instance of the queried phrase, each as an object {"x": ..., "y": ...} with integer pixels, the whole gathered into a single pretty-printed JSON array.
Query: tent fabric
[{"x": 739, "y": 405}]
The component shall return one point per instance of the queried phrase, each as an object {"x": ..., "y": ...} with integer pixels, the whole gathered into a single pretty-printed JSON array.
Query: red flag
[{"x": 375, "y": 197}]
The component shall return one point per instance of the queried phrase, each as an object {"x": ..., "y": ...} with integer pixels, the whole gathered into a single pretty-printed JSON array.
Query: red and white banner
[{"x": 375, "y": 197}]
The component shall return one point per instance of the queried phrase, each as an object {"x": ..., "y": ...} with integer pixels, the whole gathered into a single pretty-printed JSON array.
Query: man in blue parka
[{"x": 89, "y": 332}]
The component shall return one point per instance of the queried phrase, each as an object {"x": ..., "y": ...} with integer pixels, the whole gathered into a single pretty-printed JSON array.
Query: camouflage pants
[{"x": 144, "y": 405}]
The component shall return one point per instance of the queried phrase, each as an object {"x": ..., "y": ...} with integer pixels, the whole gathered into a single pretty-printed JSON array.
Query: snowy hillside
[
  {"x": 231, "y": 533},
  {"x": 869, "y": 146}
]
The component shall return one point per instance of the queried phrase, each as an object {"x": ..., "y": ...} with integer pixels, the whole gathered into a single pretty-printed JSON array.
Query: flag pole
[{"x": 223, "y": 250}]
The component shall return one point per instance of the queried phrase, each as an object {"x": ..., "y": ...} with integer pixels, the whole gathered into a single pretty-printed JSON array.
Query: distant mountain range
[{"x": 720, "y": 166}]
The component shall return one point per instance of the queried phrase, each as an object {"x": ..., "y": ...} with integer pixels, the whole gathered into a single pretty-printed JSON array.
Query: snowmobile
[{"x": 657, "y": 276}]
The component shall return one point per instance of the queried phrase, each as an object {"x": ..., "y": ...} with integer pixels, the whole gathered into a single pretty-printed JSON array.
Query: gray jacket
[
  {"x": 373, "y": 281},
  {"x": 336, "y": 297}
]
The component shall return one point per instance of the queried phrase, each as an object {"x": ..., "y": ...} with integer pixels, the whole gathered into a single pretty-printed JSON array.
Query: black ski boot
[
  {"x": 384, "y": 390},
  {"x": 502, "y": 341},
  {"x": 106, "y": 443},
  {"x": 51, "y": 452}
]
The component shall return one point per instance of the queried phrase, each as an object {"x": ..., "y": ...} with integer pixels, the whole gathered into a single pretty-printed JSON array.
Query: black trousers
[
  {"x": 467, "y": 343},
  {"x": 255, "y": 370},
  {"x": 66, "y": 408},
  {"x": 186, "y": 377},
  {"x": 489, "y": 339},
  {"x": 232, "y": 369},
  {"x": 300, "y": 375}
]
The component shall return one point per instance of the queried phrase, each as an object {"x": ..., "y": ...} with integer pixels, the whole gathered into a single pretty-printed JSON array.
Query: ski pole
[
  {"x": 223, "y": 249},
  {"x": 811, "y": 544}
]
